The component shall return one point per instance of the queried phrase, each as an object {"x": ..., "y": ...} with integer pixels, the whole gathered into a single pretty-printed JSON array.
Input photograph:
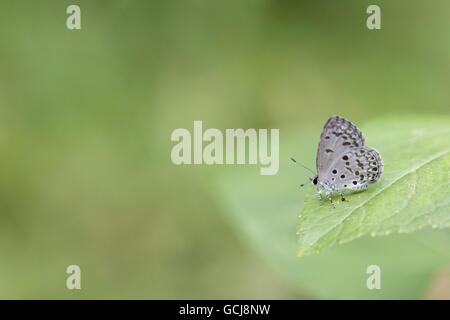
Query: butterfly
[{"x": 344, "y": 164}]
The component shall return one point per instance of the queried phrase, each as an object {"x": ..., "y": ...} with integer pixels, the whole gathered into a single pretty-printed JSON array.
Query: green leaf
[
  {"x": 413, "y": 192},
  {"x": 264, "y": 211}
]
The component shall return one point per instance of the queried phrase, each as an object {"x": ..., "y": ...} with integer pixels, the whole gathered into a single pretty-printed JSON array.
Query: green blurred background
[{"x": 86, "y": 118}]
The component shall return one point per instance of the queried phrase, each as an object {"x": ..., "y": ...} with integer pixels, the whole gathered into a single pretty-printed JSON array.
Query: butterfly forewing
[{"x": 338, "y": 136}]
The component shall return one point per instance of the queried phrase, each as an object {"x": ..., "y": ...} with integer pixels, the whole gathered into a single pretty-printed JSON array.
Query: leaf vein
[{"x": 406, "y": 173}]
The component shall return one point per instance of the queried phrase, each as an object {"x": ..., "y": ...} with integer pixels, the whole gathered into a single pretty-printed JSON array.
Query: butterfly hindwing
[{"x": 354, "y": 169}]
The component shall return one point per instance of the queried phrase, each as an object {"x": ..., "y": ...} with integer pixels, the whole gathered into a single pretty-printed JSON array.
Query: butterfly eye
[{"x": 314, "y": 181}]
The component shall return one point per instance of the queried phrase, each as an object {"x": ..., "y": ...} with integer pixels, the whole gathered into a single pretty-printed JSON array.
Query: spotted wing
[
  {"x": 338, "y": 136},
  {"x": 355, "y": 169}
]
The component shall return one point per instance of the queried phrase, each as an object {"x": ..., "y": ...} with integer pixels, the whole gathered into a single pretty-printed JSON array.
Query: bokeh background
[{"x": 86, "y": 118}]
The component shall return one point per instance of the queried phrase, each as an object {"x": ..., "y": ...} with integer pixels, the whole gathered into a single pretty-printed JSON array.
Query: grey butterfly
[{"x": 344, "y": 164}]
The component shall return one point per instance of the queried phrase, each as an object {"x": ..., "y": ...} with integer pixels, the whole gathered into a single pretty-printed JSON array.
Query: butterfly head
[{"x": 312, "y": 180}]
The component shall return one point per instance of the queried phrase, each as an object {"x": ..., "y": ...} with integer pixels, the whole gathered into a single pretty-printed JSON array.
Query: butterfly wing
[
  {"x": 355, "y": 169},
  {"x": 338, "y": 135}
]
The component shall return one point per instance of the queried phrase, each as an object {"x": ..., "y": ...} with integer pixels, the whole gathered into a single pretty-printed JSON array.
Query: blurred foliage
[{"x": 86, "y": 118}]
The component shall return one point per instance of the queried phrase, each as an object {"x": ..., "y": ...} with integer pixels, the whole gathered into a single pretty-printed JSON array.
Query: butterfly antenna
[{"x": 301, "y": 165}]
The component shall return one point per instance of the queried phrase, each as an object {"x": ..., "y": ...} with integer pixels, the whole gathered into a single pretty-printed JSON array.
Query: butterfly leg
[
  {"x": 342, "y": 196},
  {"x": 319, "y": 195},
  {"x": 328, "y": 196}
]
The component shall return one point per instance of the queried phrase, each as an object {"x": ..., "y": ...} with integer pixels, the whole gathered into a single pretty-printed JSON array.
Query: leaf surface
[
  {"x": 264, "y": 210},
  {"x": 413, "y": 192}
]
